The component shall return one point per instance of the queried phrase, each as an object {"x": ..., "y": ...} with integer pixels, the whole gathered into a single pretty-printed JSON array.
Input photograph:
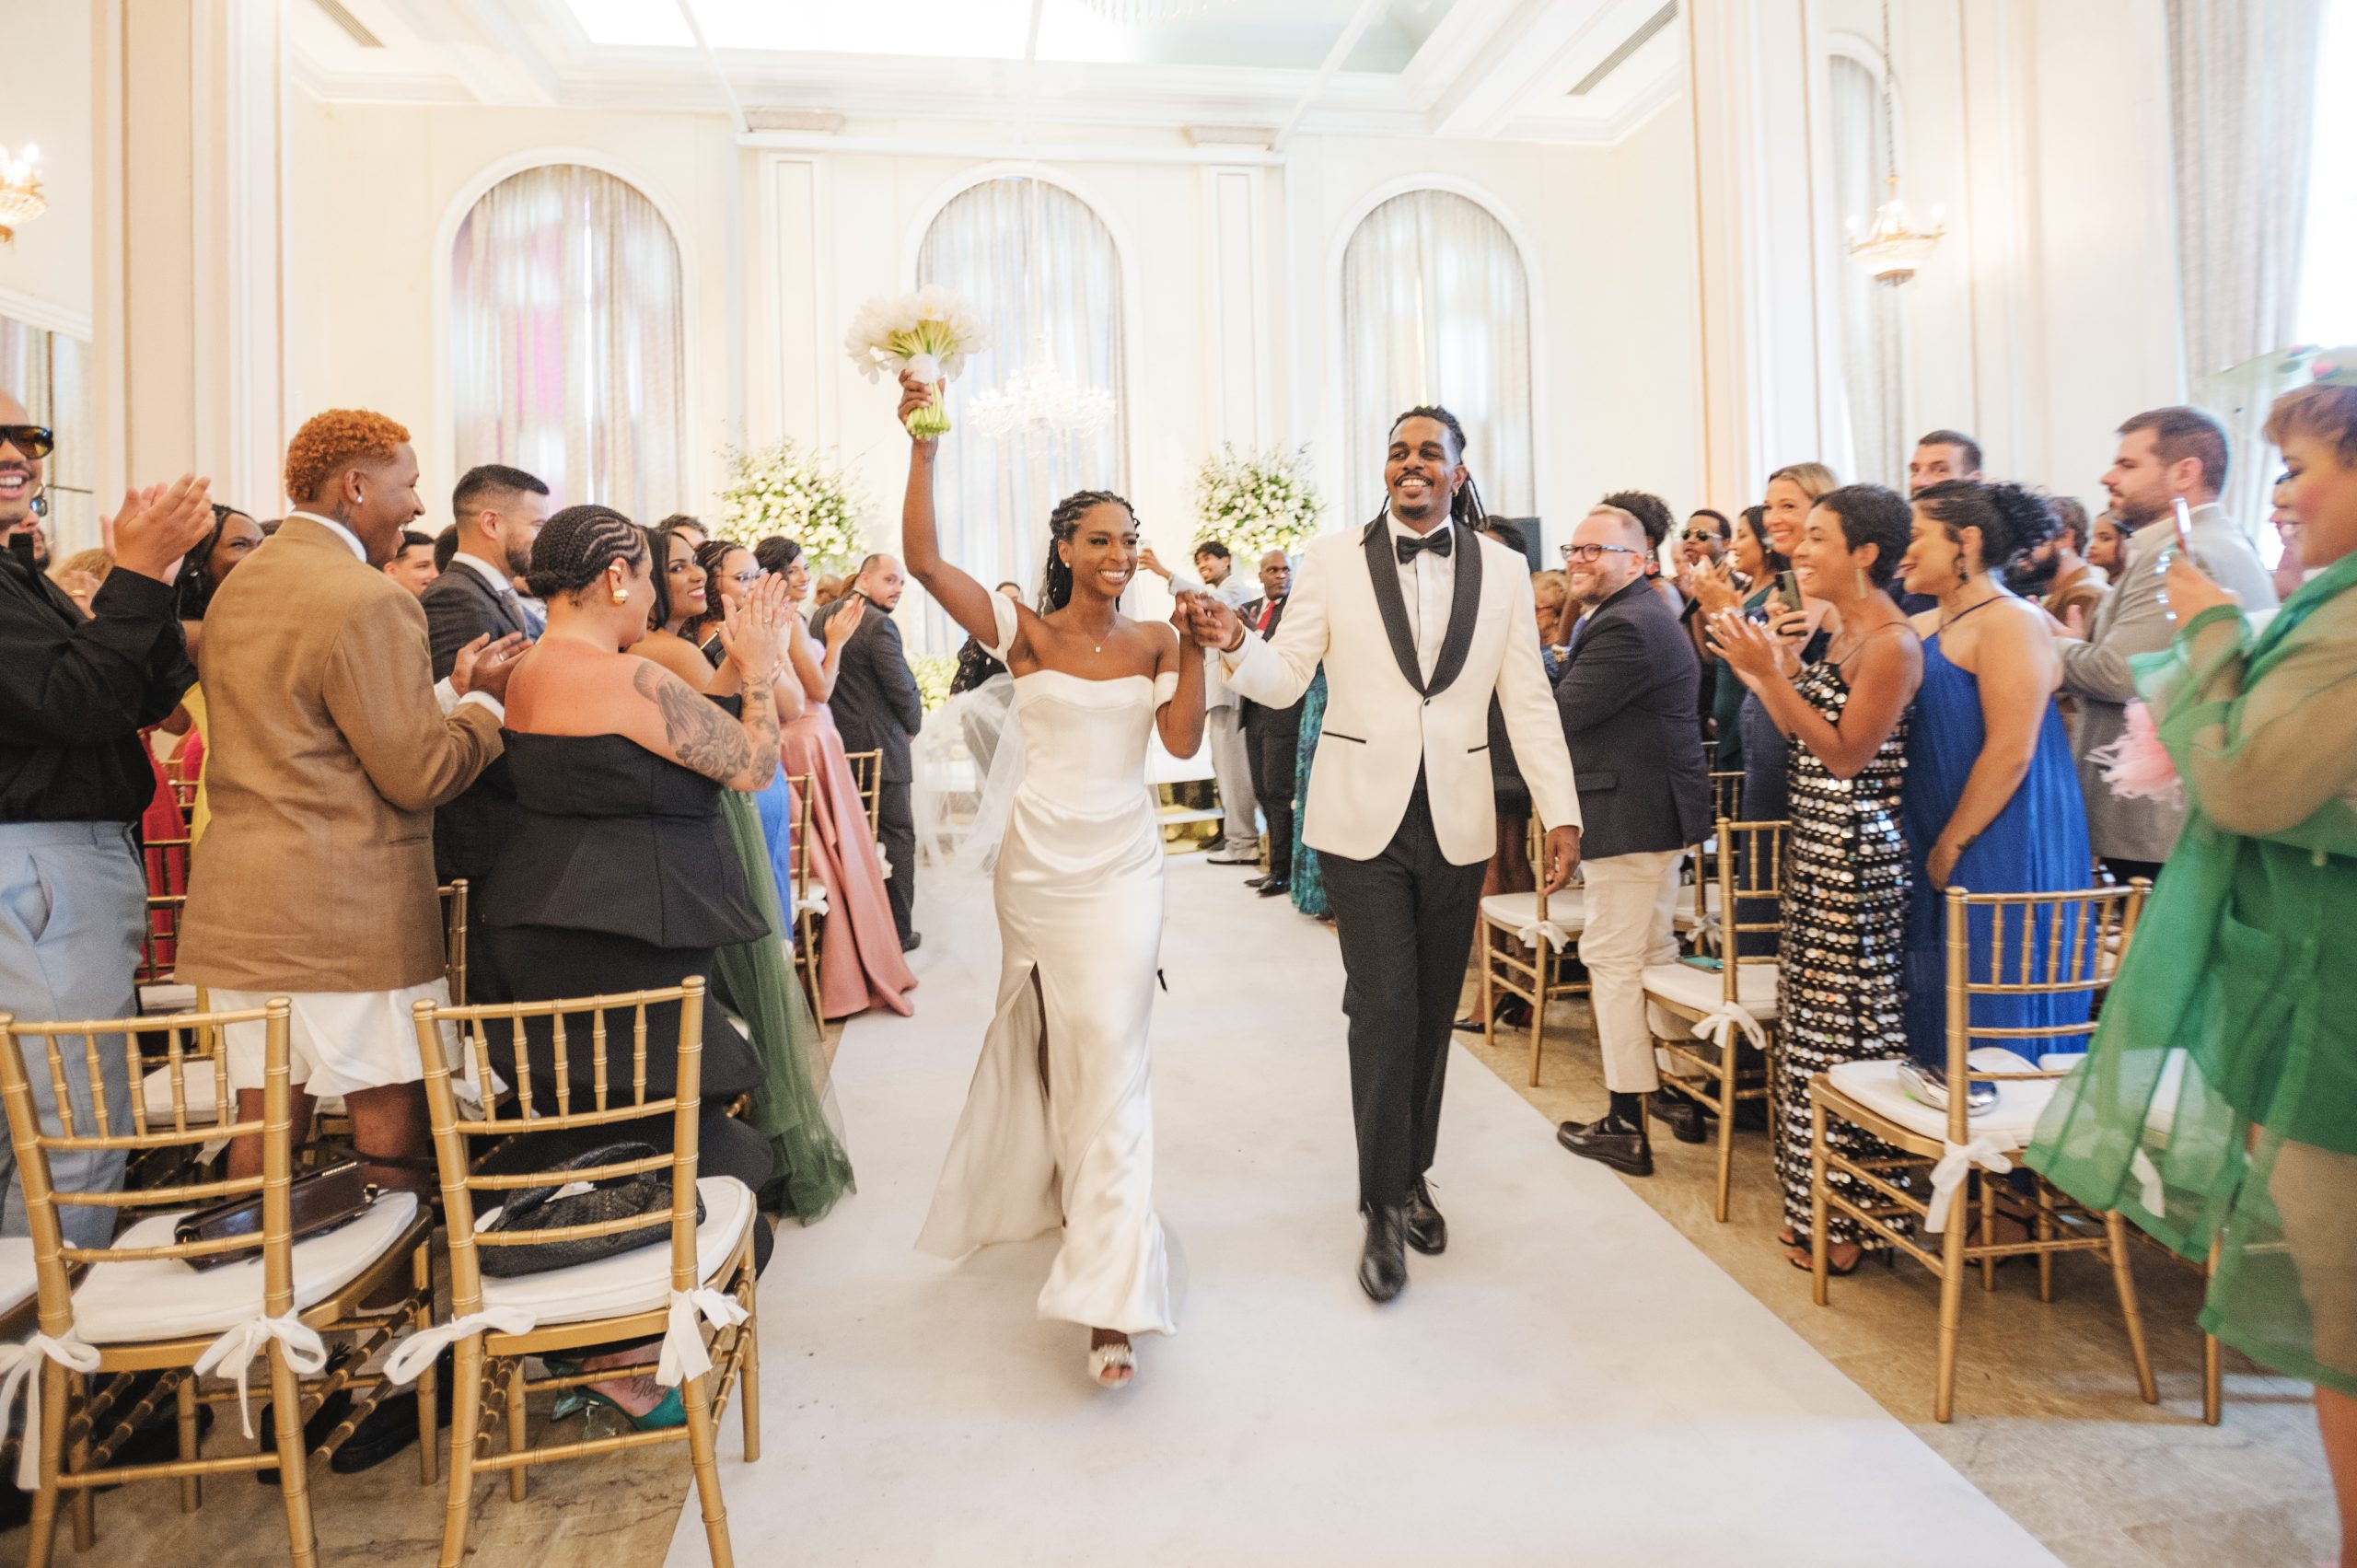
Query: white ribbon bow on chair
[
  {"x": 1556, "y": 936},
  {"x": 2150, "y": 1192},
  {"x": 416, "y": 1353},
  {"x": 814, "y": 901},
  {"x": 1715, "y": 1026},
  {"x": 20, "y": 1369},
  {"x": 683, "y": 1354},
  {"x": 1947, "y": 1176},
  {"x": 234, "y": 1352},
  {"x": 884, "y": 859}
]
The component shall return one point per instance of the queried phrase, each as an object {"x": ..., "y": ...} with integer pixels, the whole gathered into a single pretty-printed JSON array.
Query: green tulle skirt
[{"x": 795, "y": 1108}]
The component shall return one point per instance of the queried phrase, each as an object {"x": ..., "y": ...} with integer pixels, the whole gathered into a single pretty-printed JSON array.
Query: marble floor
[{"x": 2047, "y": 1426}]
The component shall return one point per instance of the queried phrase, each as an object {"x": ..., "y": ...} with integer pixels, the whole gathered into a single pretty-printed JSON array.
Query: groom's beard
[{"x": 2027, "y": 576}]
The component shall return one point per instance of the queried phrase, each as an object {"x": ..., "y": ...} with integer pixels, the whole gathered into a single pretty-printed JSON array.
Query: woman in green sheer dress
[{"x": 2219, "y": 1103}]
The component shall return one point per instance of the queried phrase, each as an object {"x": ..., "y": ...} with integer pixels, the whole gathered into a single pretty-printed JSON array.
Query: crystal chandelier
[
  {"x": 1894, "y": 247},
  {"x": 21, "y": 196},
  {"x": 1037, "y": 405}
]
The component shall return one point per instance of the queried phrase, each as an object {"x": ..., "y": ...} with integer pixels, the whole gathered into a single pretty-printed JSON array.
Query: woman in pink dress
[{"x": 859, "y": 950}]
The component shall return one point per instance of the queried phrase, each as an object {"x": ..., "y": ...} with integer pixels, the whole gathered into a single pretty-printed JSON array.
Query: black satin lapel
[
  {"x": 1383, "y": 565},
  {"x": 1464, "y": 609}
]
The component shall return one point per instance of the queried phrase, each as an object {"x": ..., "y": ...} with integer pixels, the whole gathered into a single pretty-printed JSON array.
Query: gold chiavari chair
[
  {"x": 809, "y": 895},
  {"x": 652, "y": 1292},
  {"x": 140, "y": 1306},
  {"x": 182, "y": 786},
  {"x": 2040, "y": 944},
  {"x": 868, "y": 771},
  {"x": 1701, "y": 923},
  {"x": 1735, "y": 1006},
  {"x": 1516, "y": 925}
]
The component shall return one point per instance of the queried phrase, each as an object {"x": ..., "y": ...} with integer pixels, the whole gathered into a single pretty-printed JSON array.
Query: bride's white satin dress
[{"x": 1079, "y": 895}]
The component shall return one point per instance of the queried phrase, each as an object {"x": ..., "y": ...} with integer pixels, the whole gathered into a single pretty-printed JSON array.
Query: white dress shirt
[
  {"x": 500, "y": 582},
  {"x": 1429, "y": 584},
  {"x": 444, "y": 692}
]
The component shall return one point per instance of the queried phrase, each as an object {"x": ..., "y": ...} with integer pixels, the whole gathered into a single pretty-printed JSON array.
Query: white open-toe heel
[{"x": 1104, "y": 1361}]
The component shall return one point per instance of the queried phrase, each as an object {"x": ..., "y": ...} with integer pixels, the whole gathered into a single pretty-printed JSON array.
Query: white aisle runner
[{"x": 1572, "y": 1383}]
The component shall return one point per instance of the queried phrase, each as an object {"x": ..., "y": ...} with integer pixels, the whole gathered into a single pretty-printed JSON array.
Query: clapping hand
[
  {"x": 485, "y": 666},
  {"x": 158, "y": 526},
  {"x": 850, "y": 611},
  {"x": 1756, "y": 655},
  {"x": 748, "y": 628}
]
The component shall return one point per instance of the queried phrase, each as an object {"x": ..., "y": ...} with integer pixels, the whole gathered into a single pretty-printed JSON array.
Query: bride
[{"x": 1058, "y": 1123}]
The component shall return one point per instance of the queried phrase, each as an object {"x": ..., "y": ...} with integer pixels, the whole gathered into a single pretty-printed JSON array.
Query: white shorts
[{"x": 337, "y": 1041}]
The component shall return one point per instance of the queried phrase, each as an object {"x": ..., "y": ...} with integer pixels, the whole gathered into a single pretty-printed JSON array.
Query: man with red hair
[{"x": 330, "y": 745}]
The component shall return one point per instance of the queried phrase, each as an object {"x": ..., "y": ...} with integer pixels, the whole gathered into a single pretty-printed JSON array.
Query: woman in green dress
[{"x": 2219, "y": 1103}]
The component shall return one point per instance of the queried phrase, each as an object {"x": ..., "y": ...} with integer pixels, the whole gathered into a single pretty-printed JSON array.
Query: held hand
[
  {"x": 485, "y": 666},
  {"x": 2191, "y": 590},
  {"x": 915, "y": 395},
  {"x": 1562, "y": 853},
  {"x": 748, "y": 629},
  {"x": 1940, "y": 865},
  {"x": 845, "y": 620},
  {"x": 158, "y": 526},
  {"x": 1182, "y": 615},
  {"x": 1216, "y": 625}
]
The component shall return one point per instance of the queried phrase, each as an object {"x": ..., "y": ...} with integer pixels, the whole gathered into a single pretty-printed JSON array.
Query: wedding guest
[
  {"x": 2106, "y": 544},
  {"x": 75, "y": 691},
  {"x": 234, "y": 538},
  {"x": 1550, "y": 594},
  {"x": 974, "y": 662},
  {"x": 1992, "y": 797},
  {"x": 2055, "y": 571},
  {"x": 1793, "y": 494},
  {"x": 1653, "y": 515},
  {"x": 2165, "y": 455},
  {"x": 729, "y": 569},
  {"x": 1509, "y": 869},
  {"x": 1940, "y": 456},
  {"x": 329, "y": 751},
  {"x": 1309, "y": 876},
  {"x": 1273, "y": 735},
  {"x": 732, "y": 573},
  {"x": 2238, "y": 976},
  {"x": 1627, "y": 698},
  {"x": 2288, "y": 573},
  {"x": 445, "y": 545},
  {"x": 1742, "y": 583},
  {"x": 682, "y": 525},
  {"x": 1703, "y": 540},
  {"x": 1845, "y": 871},
  {"x": 860, "y": 964},
  {"x": 880, "y": 709},
  {"x": 826, "y": 590},
  {"x": 413, "y": 564},
  {"x": 1230, "y": 750}
]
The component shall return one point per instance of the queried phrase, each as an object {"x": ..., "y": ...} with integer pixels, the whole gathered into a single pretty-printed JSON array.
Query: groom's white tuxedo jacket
[{"x": 1385, "y": 722}]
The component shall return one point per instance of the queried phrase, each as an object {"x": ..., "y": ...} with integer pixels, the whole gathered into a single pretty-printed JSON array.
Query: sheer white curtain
[
  {"x": 1874, "y": 328},
  {"x": 565, "y": 341},
  {"x": 1052, "y": 285},
  {"x": 1436, "y": 310}
]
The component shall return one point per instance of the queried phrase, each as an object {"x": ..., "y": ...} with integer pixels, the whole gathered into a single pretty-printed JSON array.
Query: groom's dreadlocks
[{"x": 1465, "y": 507}]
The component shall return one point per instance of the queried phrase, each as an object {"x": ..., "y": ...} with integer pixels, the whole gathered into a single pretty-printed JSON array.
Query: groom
[{"x": 1420, "y": 621}]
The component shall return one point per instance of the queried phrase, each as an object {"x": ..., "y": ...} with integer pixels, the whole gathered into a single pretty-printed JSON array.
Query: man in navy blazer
[{"x": 1627, "y": 694}]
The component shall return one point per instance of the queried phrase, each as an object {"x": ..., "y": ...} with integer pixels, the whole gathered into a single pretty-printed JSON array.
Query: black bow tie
[{"x": 1438, "y": 541}]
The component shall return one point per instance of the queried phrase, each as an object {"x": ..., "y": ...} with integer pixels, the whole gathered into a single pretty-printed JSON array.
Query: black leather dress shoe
[
  {"x": 1680, "y": 1115},
  {"x": 1427, "y": 1232},
  {"x": 1620, "y": 1144},
  {"x": 1254, "y": 881},
  {"x": 1275, "y": 888},
  {"x": 1383, "y": 1267},
  {"x": 912, "y": 941}
]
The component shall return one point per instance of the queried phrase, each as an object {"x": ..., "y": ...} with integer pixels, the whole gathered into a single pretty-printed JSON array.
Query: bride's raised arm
[{"x": 969, "y": 603}]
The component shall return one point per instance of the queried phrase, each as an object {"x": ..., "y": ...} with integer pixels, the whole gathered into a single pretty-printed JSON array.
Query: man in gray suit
[
  {"x": 878, "y": 708},
  {"x": 2164, "y": 454}
]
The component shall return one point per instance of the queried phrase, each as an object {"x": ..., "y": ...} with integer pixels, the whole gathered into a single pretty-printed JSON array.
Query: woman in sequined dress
[{"x": 1845, "y": 864}]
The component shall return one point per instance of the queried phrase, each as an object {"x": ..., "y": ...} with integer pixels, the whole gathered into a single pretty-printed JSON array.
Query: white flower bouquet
[
  {"x": 783, "y": 489},
  {"x": 1257, "y": 502},
  {"x": 928, "y": 333}
]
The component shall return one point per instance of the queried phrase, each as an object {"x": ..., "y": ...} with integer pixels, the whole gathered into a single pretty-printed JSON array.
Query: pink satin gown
[{"x": 859, "y": 953}]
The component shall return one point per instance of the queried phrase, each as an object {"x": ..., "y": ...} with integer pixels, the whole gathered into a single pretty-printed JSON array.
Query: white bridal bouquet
[
  {"x": 1257, "y": 502},
  {"x": 785, "y": 490},
  {"x": 928, "y": 333}
]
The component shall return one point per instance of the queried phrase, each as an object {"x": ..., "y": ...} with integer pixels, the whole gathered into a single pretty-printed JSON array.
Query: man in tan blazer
[{"x": 331, "y": 747}]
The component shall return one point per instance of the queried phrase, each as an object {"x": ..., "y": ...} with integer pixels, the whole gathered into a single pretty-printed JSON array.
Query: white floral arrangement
[
  {"x": 928, "y": 333},
  {"x": 1257, "y": 502},
  {"x": 784, "y": 489}
]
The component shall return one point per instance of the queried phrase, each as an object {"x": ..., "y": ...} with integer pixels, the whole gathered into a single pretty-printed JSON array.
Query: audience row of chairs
[
  {"x": 810, "y": 905},
  {"x": 1947, "y": 1162}
]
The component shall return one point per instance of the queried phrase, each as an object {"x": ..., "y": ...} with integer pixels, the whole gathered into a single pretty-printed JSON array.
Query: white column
[{"x": 1235, "y": 270}]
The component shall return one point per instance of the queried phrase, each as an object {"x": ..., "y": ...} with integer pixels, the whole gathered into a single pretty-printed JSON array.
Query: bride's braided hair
[
  {"x": 577, "y": 545},
  {"x": 1465, "y": 507},
  {"x": 1055, "y": 591}
]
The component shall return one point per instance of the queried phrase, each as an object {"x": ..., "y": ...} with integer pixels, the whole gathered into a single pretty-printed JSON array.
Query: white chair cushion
[
  {"x": 164, "y": 1299},
  {"x": 2009, "y": 1123},
  {"x": 636, "y": 1280},
  {"x": 1567, "y": 909},
  {"x": 1685, "y": 918},
  {"x": 17, "y": 1281},
  {"x": 158, "y": 997},
  {"x": 196, "y": 1093},
  {"x": 1704, "y": 990}
]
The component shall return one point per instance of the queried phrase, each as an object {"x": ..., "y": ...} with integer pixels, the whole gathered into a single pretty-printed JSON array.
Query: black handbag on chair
[{"x": 646, "y": 1193}]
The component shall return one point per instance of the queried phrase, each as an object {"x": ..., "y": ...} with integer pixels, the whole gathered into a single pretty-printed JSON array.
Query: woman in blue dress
[{"x": 1992, "y": 802}]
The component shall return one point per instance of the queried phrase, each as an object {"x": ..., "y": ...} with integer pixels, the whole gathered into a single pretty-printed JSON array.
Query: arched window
[
  {"x": 1436, "y": 310},
  {"x": 1873, "y": 328},
  {"x": 566, "y": 340},
  {"x": 1041, "y": 269}
]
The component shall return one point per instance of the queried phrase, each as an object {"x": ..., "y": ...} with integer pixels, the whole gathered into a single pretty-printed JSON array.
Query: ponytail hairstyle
[
  {"x": 1055, "y": 587},
  {"x": 777, "y": 554},
  {"x": 577, "y": 546},
  {"x": 1465, "y": 507},
  {"x": 2011, "y": 519}
]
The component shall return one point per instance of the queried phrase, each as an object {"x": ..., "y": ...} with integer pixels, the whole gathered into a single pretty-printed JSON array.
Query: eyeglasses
[
  {"x": 1596, "y": 551},
  {"x": 33, "y": 440},
  {"x": 1701, "y": 533},
  {"x": 743, "y": 578}
]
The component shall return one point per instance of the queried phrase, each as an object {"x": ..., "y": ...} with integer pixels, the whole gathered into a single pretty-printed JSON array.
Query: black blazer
[
  {"x": 1627, "y": 695},
  {"x": 876, "y": 702},
  {"x": 459, "y": 607},
  {"x": 1245, "y": 707}
]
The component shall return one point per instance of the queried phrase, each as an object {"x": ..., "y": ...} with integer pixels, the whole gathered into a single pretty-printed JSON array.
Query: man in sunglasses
[{"x": 75, "y": 690}]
